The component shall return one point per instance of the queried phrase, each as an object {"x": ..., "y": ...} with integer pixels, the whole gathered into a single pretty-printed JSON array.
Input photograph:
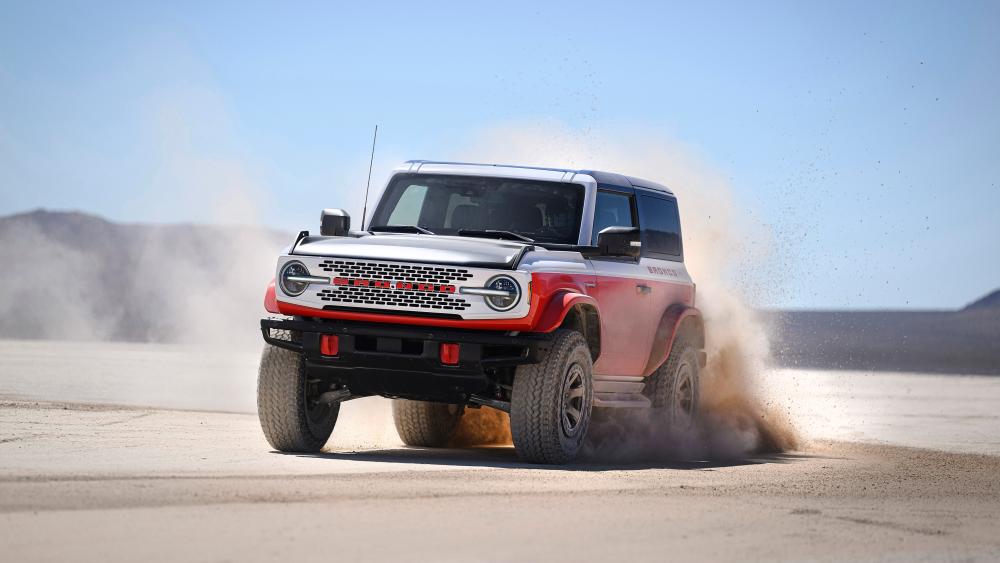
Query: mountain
[
  {"x": 989, "y": 301},
  {"x": 75, "y": 276},
  {"x": 962, "y": 341},
  {"x": 79, "y": 277}
]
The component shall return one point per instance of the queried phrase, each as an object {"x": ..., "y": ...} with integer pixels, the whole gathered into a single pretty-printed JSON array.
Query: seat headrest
[{"x": 467, "y": 216}]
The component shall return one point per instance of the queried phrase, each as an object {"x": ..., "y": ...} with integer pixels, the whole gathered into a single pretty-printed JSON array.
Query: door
[{"x": 620, "y": 293}]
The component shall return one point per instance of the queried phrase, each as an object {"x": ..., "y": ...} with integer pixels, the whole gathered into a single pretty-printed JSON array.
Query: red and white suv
[{"x": 541, "y": 292}]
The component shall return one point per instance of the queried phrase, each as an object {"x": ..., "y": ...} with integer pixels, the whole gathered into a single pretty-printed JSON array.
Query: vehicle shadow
[{"x": 505, "y": 457}]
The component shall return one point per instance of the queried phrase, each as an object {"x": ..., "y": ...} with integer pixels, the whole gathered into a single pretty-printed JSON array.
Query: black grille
[
  {"x": 393, "y": 298},
  {"x": 395, "y": 272}
]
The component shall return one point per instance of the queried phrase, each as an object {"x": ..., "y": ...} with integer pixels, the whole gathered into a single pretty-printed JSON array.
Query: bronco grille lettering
[{"x": 387, "y": 284}]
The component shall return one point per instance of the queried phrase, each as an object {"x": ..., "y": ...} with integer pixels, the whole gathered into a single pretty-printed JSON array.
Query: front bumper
[{"x": 403, "y": 361}]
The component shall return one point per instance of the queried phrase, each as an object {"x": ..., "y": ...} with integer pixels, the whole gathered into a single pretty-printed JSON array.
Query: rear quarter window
[{"x": 661, "y": 227}]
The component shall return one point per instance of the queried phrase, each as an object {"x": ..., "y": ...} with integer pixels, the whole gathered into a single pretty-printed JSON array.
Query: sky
[{"x": 865, "y": 135}]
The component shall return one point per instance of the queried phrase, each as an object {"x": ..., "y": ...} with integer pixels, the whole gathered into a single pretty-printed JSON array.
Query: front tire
[
  {"x": 551, "y": 402},
  {"x": 290, "y": 415},
  {"x": 424, "y": 424}
]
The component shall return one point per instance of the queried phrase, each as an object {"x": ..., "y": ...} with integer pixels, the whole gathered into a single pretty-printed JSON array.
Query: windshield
[{"x": 547, "y": 212}]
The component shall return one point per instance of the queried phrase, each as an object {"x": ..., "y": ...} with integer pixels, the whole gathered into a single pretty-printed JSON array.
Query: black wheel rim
[
  {"x": 684, "y": 392},
  {"x": 317, "y": 413},
  {"x": 573, "y": 399}
]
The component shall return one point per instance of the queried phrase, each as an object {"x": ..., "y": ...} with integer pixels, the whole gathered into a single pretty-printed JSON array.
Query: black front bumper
[{"x": 403, "y": 361}]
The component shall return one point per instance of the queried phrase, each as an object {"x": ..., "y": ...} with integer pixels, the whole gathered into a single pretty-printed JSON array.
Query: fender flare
[
  {"x": 586, "y": 317},
  {"x": 270, "y": 299},
  {"x": 677, "y": 317},
  {"x": 559, "y": 306}
]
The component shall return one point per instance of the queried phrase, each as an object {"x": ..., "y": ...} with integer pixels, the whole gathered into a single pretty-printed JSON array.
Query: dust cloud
[
  {"x": 726, "y": 252},
  {"x": 484, "y": 426}
]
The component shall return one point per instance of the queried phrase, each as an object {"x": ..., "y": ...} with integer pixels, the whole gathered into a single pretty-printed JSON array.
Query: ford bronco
[{"x": 544, "y": 293}]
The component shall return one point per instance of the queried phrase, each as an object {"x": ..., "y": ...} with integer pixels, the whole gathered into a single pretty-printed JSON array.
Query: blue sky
[{"x": 867, "y": 136}]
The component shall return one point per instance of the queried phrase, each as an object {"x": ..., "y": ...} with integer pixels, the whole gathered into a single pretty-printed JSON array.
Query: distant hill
[
  {"x": 75, "y": 276},
  {"x": 988, "y": 301},
  {"x": 963, "y": 341}
]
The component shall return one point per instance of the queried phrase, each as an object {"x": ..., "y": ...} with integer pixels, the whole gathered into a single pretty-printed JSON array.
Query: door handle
[{"x": 643, "y": 289}]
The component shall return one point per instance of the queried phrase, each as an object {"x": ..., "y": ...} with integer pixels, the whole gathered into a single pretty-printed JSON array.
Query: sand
[{"x": 97, "y": 482}]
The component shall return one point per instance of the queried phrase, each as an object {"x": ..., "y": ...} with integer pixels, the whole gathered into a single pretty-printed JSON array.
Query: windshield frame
[{"x": 382, "y": 210}]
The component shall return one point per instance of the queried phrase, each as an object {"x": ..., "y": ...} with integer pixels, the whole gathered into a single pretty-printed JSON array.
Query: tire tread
[
  {"x": 424, "y": 424},
  {"x": 280, "y": 399},
  {"x": 534, "y": 421}
]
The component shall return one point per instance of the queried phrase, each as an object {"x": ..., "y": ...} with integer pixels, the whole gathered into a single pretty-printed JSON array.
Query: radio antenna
[{"x": 364, "y": 211}]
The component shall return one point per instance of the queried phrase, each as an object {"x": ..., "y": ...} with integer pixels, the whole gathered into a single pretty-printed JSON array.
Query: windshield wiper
[
  {"x": 399, "y": 229},
  {"x": 502, "y": 235}
]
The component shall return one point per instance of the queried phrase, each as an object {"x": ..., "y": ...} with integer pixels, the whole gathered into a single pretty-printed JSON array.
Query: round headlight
[
  {"x": 293, "y": 269},
  {"x": 507, "y": 302}
]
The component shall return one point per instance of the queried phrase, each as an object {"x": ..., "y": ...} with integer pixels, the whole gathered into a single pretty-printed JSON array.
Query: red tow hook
[
  {"x": 448, "y": 352},
  {"x": 329, "y": 344}
]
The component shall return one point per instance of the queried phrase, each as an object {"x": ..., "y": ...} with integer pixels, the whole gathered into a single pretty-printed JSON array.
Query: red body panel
[
  {"x": 522, "y": 324},
  {"x": 629, "y": 320},
  {"x": 270, "y": 299}
]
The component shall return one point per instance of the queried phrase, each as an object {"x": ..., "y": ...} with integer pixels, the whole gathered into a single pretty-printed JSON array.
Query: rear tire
[
  {"x": 424, "y": 424},
  {"x": 290, "y": 416},
  {"x": 551, "y": 402},
  {"x": 676, "y": 386}
]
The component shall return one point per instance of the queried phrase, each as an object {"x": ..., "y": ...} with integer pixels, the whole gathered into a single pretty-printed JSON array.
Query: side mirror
[
  {"x": 334, "y": 223},
  {"x": 619, "y": 241}
]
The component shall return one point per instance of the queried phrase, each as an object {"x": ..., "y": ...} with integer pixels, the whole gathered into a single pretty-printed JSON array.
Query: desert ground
[{"x": 150, "y": 452}]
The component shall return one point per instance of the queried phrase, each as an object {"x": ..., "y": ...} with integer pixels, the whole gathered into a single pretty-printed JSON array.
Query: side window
[
  {"x": 407, "y": 210},
  {"x": 613, "y": 209},
  {"x": 661, "y": 226}
]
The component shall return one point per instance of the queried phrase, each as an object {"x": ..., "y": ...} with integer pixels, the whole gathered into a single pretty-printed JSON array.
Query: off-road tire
[
  {"x": 540, "y": 396},
  {"x": 282, "y": 393},
  {"x": 676, "y": 385},
  {"x": 424, "y": 424}
]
